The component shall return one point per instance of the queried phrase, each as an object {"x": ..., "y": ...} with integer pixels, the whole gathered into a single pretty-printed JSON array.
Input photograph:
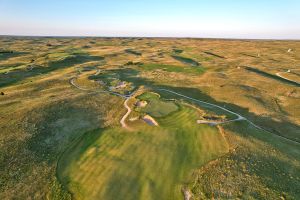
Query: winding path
[
  {"x": 127, "y": 97},
  {"x": 187, "y": 193},
  {"x": 72, "y": 82},
  {"x": 240, "y": 117},
  {"x": 123, "y": 120}
]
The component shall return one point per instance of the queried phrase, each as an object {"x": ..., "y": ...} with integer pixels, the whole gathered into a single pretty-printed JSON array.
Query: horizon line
[{"x": 148, "y": 37}]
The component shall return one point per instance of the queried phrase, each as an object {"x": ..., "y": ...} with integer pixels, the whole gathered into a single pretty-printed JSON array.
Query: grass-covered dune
[
  {"x": 147, "y": 163},
  {"x": 60, "y": 127}
]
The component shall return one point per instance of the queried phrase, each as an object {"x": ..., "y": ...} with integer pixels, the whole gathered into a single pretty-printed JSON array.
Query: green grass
[
  {"x": 6, "y": 56},
  {"x": 21, "y": 74},
  {"x": 200, "y": 58},
  {"x": 149, "y": 163},
  {"x": 157, "y": 107},
  {"x": 12, "y": 67},
  {"x": 173, "y": 68},
  {"x": 148, "y": 96},
  {"x": 42, "y": 115},
  {"x": 210, "y": 110}
]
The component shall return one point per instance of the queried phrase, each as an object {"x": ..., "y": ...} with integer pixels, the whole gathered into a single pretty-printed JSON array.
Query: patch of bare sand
[{"x": 149, "y": 120}]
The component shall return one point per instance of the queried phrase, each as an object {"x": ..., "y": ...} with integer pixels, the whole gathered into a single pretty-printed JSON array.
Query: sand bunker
[
  {"x": 141, "y": 104},
  {"x": 133, "y": 119},
  {"x": 211, "y": 123},
  {"x": 149, "y": 120}
]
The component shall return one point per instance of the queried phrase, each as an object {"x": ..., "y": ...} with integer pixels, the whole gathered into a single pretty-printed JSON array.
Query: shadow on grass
[
  {"x": 134, "y": 52},
  {"x": 7, "y": 55},
  {"x": 213, "y": 54},
  {"x": 242, "y": 128},
  {"x": 56, "y": 126},
  {"x": 8, "y": 66},
  {"x": 265, "y": 74},
  {"x": 20, "y": 74},
  {"x": 185, "y": 60},
  {"x": 283, "y": 128}
]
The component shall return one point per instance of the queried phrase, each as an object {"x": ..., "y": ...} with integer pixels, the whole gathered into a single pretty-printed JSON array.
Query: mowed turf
[
  {"x": 156, "y": 107},
  {"x": 148, "y": 163}
]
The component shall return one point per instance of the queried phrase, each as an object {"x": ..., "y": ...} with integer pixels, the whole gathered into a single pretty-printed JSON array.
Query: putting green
[
  {"x": 148, "y": 163},
  {"x": 157, "y": 107}
]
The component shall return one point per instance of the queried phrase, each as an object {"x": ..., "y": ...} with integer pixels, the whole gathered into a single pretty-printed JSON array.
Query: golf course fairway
[{"x": 146, "y": 163}]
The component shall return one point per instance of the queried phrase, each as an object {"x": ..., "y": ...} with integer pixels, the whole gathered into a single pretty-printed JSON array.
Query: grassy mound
[{"x": 150, "y": 163}]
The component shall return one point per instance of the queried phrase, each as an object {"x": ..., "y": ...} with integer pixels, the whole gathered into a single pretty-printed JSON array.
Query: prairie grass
[{"x": 44, "y": 118}]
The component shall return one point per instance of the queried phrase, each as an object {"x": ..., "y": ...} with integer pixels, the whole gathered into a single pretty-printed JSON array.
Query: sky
[{"x": 253, "y": 19}]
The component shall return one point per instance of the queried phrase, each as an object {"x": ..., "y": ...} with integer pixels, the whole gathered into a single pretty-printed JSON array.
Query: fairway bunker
[{"x": 150, "y": 121}]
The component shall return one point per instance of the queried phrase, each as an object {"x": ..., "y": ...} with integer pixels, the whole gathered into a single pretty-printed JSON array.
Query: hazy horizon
[{"x": 188, "y": 19}]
